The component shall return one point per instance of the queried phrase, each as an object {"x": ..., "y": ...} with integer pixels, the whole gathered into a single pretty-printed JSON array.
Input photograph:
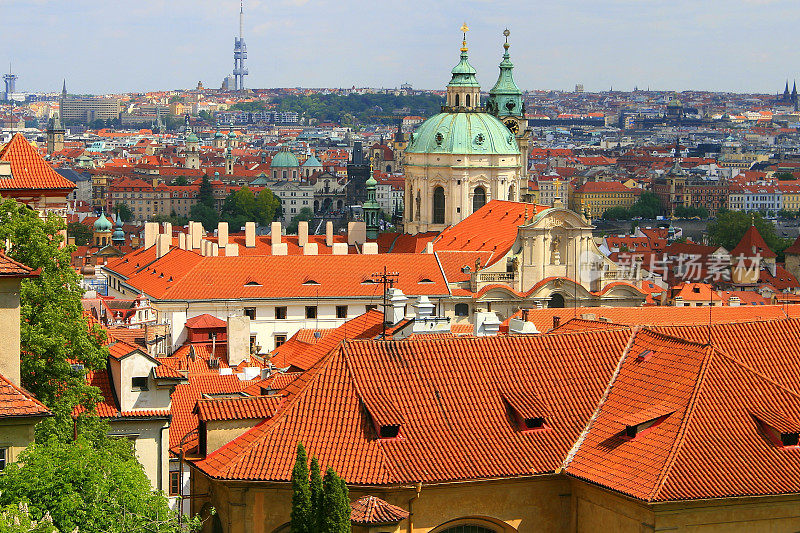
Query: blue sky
[{"x": 120, "y": 46}]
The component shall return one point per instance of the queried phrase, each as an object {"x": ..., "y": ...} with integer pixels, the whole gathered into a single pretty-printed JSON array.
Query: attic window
[
  {"x": 634, "y": 430},
  {"x": 696, "y": 290},
  {"x": 534, "y": 423},
  {"x": 645, "y": 355},
  {"x": 528, "y": 413},
  {"x": 252, "y": 283},
  {"x": 310, "y": 282},
  {"x": 425, "y": 280},
  {"x": 392, "y": 431},
  {"x": 367, "y": 281},
  {"x": 779, "y": 430}
]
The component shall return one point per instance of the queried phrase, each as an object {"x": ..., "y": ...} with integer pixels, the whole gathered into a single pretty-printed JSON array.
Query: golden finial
[
  {"x": 464, "y": 30},
  {"x": 506, "y": 33}
]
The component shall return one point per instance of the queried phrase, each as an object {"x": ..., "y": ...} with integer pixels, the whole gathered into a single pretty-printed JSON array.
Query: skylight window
[{"x": 310, "y": 282}]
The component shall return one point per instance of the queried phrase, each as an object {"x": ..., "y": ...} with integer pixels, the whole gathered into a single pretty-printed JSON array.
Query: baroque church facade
[{"x": 469, "y": 154}]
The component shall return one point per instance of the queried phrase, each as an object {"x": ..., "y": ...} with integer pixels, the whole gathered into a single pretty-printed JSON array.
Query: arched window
[
  {"x": 458, "y": 101},
  {"x": 462, "y": 309},
  {"x": 468, "y": 528},
  {"x": 411, "y": 204},
  {"x": 478, "y": 198},
  {"x": 512, "y": 195},
  {"x": 467, "y": 100},
  {"x": 438, "y": 205},
  {"x": 556, "y": 301}
]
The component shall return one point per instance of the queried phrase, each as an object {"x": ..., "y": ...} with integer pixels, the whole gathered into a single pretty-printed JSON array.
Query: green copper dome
[
  {"x": 463, "y": 133},
  {"x": 102, "y": 223},
  {"x": 312, "y": 161},
  {"x": 464, "y": 73},
  {"x": 192, "y": 138},
  {"x": 284, "y": 159},
  {"x": 218, "y": 135}
]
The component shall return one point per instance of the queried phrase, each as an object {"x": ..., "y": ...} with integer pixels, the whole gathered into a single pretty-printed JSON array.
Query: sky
[{"x": 122, "y": 46}]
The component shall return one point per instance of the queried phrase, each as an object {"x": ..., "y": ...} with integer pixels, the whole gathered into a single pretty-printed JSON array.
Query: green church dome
[
  {"x": 102, "y": 223},
  {"x": 312, "y": 162},
  {"x": 285, "y": 159},
  {"x": 192, "y": 138},
  {"x": 463, "y": 133}
]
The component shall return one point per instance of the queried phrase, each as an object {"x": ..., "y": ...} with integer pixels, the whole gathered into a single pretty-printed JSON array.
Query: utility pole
[{"x": 387, "y": 279}]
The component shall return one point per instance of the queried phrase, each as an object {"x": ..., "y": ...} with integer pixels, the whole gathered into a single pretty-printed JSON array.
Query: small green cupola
[
  {"x": 505, "y": 98},
  {"x": 463, "y": 91},
  {"x": 371, "y": 207},
  {"x": 118, "y": 238}
]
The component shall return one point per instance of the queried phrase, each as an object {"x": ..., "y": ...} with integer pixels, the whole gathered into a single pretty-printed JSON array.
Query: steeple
[
  {"x": 463, "y": 91},
  {"x": 794, "y": 89},
  {"x": 505, "y": 98},
  {"x": 786, "y": 90},
  {"x": 371, "y": 207},
  {"x": 118, "y": 238}
]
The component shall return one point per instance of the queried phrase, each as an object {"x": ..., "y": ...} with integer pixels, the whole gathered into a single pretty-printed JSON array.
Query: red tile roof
[
  {"x": 28, "y": 169},
  {"x": 251, "y": 407},
  {"x": 706, "y": 443},
  {"x": 16, "y": 402},
  {"x": 205, "y": 321},
  {"x": 373, "y": 511},
  {"x": 13, "y": 269},
  {"x": 448, "y": 396},
  {"x": 751, "y": 245},
  {"x": 492, "y": 228}
]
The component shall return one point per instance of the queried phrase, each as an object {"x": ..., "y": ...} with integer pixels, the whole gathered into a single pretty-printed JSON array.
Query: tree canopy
[
  {"x": 730, "y": 226},
  {"x": 123, "y": 211},
  {"x": 364, "y": 108},
  {"x": 302, "y": 513},
  {"x": 305, "y": 214},
  {"x": 99, "y": 489},
  {"x": 82, "y": 233},
  {"x": 648, "y": 205},
  {"x": 53, "y": 329},
  {"x": 243, "y": 206}
]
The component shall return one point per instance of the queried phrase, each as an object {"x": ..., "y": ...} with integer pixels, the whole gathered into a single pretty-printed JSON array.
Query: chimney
[
  {"x": 556, "y": 321},
  {"x": 197, "y": 234},
  {"x": 429, "y": 247},
  {"x": 9, "y": 329},
  {"x": 734, "y": 301},
  {"x": 231, "y": 249},
  {"x": 522, "y": 326},
  {"x": 369, "y": 248},
  {"x": 214, "y": 249},
  {"x": 356, "y": 232},
  {"x": 182, "y": 240},
  {"x": 339, "y": 248},
  {"x": 302, "y": 233},
  {"x": 329, "y": 234},
  {"x": 275, "y": 233},
  {"x": 167, "y": 227},
  {"x": 238, "y": 340},
  {"x": 150, "y": 233},
  {"x": 424, "y": 307},
  {"x": 396, "y": 307},
  {"x": 222, "y": 234},
  {"x": 486, "y": 324},
  {"x": 162, "y": 245},
  {"x": 250, "y": 234},
  {"x": 310, "y": 248}
]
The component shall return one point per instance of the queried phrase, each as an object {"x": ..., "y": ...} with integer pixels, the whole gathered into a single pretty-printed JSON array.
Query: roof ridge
[
  {"x": 677, "y": 445},
  {"x": 606, "y": 393}
]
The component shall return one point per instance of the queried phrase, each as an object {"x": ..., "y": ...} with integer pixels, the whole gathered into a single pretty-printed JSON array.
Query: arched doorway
[
  {"x": 556, "y": 301},
  {"x": 474, "y": 524},
  {"x": 438, "y": 205},
  {"x": 478, "y": 198}
]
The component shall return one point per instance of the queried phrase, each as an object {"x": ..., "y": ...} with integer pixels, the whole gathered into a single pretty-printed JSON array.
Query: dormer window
[
  {"x": 779, "y": 430},
  {"x": 527, "y": 412},
  {"x": 139, "y": 383},
  {"x": 391, "y": 431},
  {"x": 534, "y": 423},
  {"x": 637, "y": 429}
]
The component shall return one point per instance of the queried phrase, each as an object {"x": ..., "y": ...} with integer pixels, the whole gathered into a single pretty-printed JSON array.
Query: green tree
[
  {"x": 305, "y": 214},
  {"x": 648, "y": 205},
  {"x": 172, "y": 218},
  {"x": 730, "y": 226},
  {"x": 316, "y": 496},
  {"x": 691, "y": 211},
  {"x": 207, "y": 117},
  {"x": 82, "y": 233},
  {"x": 207, "y": 216},
  {"x": 180, "y": 180},
  {"x": 302, "y": 513},
  {"x": 239, "y": 207},
  {"x": 123, "y": 211},
  {"x": 617, "y": 213},
  {"x": 267, "y": 205},
  {"x": 17, "y": 519},
  {"x": 96, "y": 489},
  {"x": 53, "y": 328},
  {"x": 335, "y": 504},
  {"x": 206, "y": 194}
]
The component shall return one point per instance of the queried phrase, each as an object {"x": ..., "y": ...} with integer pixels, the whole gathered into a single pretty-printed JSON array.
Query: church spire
[
  {"x": 505, "y": 98},
  {"x": 463, "y": 91}
]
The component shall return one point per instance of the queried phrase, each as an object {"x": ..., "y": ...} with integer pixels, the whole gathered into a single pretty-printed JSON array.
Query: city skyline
[{"x": 621, "y": 44}]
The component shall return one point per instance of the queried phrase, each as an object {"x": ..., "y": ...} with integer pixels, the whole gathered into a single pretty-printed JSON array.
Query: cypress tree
[
  {"x": 335, "y": 504},
  {"x": 301, "y": 494},
  {"x": 316, "y": 496}
]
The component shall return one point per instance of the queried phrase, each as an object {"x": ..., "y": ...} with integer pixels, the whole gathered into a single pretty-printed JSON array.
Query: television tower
[
  {"x": 11, "y": 83},
  {"x": 239, "y": 53}
]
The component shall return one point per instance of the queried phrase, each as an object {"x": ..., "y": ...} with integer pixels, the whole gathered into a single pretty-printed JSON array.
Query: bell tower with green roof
[
  {"x": 463, "y": 91},
  {"x": 505, "y": 98}
]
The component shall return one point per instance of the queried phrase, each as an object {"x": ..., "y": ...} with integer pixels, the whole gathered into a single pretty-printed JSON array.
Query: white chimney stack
[
  {"x": 329, "y": 234},
  {"x": 222, "y": 234},
  {"x": 396, "y": 307},
  {"x": 486, "y": 324},
  {"x": 275, "y": 233},
  {"x": 339, "y": 248},
  {"x": 370, "y": 248},
  {"x": 302, "y": 233},
  {"x": 250, "y": 234},
  {"x": 150, "y": 234},
  {"x": 182, "y": 240},
  {"x": 310, "y": 248},
  {"x": 238, "y": 340}
]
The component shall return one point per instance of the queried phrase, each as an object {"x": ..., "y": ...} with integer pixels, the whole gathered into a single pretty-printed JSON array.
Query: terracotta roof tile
[
  {"x": 28, "y": 169},
  {"x": 370, "y": 510},
  {"x": 238, "y": 408},
  {"x": 17, "y": 402}
]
